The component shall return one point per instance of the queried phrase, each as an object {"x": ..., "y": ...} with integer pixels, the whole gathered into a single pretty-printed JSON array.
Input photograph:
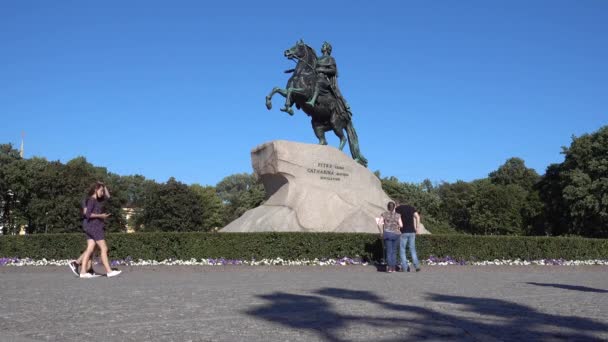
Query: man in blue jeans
[{"x": 411, "y": 220}]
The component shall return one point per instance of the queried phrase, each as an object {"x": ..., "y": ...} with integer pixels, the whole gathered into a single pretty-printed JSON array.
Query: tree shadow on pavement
[
  {"x": 511, "y": 321},
  {"x": 570, "y": 287},
  {"x": 465, "y": 319},
  {"x": 302, "y": 312}
]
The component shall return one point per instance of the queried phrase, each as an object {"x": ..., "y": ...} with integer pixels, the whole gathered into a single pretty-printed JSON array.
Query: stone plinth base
[{"x": 312, "y": 188}]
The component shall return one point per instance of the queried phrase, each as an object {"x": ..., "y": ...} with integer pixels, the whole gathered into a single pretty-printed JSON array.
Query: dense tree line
[
  {"x": 45, "y": 197},
  {"x": 571, "y": 198}
]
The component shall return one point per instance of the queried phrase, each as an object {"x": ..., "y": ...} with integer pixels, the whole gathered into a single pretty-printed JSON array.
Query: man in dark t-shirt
[{"x": 410, "y": 219}]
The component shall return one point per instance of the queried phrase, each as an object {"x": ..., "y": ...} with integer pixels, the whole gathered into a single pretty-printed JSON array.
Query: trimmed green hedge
[{"x": 160, "y": 246}]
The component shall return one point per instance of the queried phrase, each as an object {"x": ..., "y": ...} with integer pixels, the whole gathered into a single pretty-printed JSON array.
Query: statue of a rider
[{"x": 327, "y": 74}]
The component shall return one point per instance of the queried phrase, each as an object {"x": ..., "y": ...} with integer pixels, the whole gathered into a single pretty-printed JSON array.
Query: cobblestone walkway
[{"x": 279, "y": 303}]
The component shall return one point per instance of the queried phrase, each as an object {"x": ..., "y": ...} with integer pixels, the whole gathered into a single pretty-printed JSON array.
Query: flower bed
[{"x": 432, "y": 261}]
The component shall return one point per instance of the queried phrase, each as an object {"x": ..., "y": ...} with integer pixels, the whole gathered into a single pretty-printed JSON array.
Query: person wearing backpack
[{"x": 390, "y": 221}]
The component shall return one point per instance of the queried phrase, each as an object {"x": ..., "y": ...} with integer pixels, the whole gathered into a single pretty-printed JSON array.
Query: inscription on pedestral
[{"x": 328, "y": 171}]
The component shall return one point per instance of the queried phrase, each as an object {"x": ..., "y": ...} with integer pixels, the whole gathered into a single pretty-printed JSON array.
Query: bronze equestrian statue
[{"x": 313, "y": 89}]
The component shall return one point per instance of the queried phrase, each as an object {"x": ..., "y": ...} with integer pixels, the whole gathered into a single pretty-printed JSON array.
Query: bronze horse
[{"x": 329, "y": 113}]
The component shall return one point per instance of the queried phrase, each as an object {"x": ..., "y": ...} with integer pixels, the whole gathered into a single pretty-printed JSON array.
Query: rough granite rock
[{"x": 312, "y": 188}]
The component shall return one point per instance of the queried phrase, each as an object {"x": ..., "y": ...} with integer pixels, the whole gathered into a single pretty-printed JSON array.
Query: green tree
[
  {"x": 514, "y": 171},
  {"x": 239, "y": 193},
  {"x": 128, "y": 193},
  {"x": 49, "y": 209},
  {"x": 496, "y": 209},
  {"x": 133, "y": 189},
  {"x": 456, "y": 201},
  {"x": 213, "y": 209},
  {"x": 8, "y": 155},
  {"x": 171, "y": 206},
  {"x": 504, "y": 203},
  {"x": 48, "y": 194},
  {"x": 59, "y": 191},
  {"x": 424, "y": 197},
  {"x": 555, "y": 210},
  {"x": 17, "y": 175},
  {"x": 575, "y": 192},
  {"x": 421, "y": 196},
  {"x": 533, "y": 214},
  {"x": 71, "y": 184}
]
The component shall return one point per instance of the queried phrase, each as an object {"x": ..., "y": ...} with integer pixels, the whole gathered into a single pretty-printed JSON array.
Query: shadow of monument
[
  {"x": 491, "y": 319},
  {"x": 570, "y": 287},
  {"x": 303, "y": 313}
]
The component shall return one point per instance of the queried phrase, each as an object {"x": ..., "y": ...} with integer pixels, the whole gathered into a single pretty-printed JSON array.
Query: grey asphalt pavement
[{"x": 284, "y": 303}]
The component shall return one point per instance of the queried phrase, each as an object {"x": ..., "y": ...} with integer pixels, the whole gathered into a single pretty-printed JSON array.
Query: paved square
[{"x": 280, "y": 303}]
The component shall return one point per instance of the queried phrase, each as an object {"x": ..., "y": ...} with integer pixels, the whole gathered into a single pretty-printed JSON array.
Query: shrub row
[{"x": 247, "y": 246}]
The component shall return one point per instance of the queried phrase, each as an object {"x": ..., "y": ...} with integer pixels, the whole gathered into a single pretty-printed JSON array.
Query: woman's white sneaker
[
  {"x": 88, "y": 276},
  {"x": 113, "y": 273}
]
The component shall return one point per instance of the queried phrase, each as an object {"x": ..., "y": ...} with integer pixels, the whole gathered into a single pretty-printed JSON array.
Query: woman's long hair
[{"x": 94, "y": 187}]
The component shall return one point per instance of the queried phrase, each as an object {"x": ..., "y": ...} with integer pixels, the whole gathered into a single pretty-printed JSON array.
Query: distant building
[{"x": 129, "y": 214}]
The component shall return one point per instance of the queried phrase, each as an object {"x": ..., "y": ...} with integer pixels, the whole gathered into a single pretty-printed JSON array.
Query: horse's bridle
[{"x": 314, "y": 66}]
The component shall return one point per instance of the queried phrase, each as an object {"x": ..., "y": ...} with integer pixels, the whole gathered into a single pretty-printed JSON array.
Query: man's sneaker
[
  {"x": 418, "y": 269},
  {"x": 74, "y": 267},
  {"x": 113, "y": 274},
  {"x": 88, "y": 276}
]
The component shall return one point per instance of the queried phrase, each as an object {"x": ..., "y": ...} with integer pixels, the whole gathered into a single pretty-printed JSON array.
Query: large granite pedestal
[{"x": 312, "y": 188}]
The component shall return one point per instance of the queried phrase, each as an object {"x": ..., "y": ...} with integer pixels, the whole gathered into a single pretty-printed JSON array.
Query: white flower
[{"x": 314, "y": 262}]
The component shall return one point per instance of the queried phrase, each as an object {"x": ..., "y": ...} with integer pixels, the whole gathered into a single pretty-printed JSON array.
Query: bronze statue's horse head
[{"x": 301, "y": 51}]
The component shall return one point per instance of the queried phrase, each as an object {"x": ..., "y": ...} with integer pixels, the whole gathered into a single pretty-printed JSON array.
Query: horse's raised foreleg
[
  {"x": 275, "y": 90},
  {"x": 288, "y": 102}
]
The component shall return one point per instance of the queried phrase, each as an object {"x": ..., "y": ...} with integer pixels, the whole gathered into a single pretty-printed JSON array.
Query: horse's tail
[{"x": 353, "y": 143}]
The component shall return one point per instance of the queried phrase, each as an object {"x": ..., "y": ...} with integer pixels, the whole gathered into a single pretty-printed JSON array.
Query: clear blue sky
[{"x": 444, "y": 90}]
